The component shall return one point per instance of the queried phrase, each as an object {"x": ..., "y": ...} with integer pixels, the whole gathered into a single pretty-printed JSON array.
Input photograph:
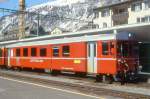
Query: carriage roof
[{"x": 83, "y": 36}]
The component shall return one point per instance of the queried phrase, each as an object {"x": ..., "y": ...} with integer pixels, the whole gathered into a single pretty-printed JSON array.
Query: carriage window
[
  {"x": 55, "y": 51},
  {"x": 66, "y": 50},
  {"x": 43, "y": 52},
  {"x": 94, "y": 50},
  {"x": 33, "y": 51},
  {"x": 123, "y": 49},
  {"x": 25, "y": 52},
  {"x": 1, "y": 53},
  {"x": 17, "y": 52},
  {"x": 135, "y": 49},
  {"x": 105, "y": 48},
  {"x": 89, "y": 49},
  {"x": 112, "y": 46}
]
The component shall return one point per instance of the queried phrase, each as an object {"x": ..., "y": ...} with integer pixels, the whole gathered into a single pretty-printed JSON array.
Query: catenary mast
[{"x": 21, "y": 33}]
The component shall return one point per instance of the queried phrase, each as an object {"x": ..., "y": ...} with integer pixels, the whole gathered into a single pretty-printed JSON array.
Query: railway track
[{"x": 83, "y": 85}]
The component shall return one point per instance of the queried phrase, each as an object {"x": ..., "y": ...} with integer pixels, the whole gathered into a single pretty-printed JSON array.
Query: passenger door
[
  {"x": 92, "y": 57},
  {"x": 9, "y": 55}
]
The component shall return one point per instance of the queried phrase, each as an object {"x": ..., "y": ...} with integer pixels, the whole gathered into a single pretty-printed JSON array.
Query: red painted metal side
[
  {"x": 75, "y": 62},
  {"x": 2, "y": 57},
  {"x": 5, "y": 56},
  {"x": 32, "y": 62},
  {"x": 107, "y": 64}
]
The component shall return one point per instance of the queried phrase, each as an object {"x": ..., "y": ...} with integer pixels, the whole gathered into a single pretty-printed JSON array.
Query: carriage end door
[{"x": 92, "y": 57}]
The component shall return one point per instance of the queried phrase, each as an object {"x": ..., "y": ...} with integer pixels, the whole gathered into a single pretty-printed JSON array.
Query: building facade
[{"x": 125, "y": 12}]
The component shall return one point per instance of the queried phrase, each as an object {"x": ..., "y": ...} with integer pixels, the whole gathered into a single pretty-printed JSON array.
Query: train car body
[
  {"x": 2, "y": 58},
  {"x": 99, "y": 54}
]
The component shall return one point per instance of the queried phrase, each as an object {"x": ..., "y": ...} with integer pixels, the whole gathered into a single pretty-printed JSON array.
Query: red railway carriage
[
  {"x": 1, "y": 56},
  {"x": 99, "y": 54}
]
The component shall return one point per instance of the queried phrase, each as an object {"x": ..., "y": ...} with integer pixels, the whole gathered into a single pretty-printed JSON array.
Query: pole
[{"x": 21, "y": 19}]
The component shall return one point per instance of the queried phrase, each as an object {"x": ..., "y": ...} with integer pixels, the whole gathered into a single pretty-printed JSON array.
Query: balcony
[{"x": 120, "y": 17}]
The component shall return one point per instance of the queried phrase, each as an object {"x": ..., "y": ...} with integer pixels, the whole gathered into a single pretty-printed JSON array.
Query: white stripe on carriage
[
  {"x": 2, "y": 57},
  {"x": 61, "y": 58},
  {"x": 48, "y": 58},
  {"x": 106, "y": 58}
]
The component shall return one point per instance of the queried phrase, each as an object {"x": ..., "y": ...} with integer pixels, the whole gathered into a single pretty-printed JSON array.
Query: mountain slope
[{"x": 68, "y": 15}]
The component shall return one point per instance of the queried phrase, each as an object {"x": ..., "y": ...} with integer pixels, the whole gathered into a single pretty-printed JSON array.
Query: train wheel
[
  {"x": 99, "y": 78},
  {"x": 108, "y": 79},
  {"x": 11, "y": 68},
  {"x": 19, "y": 69},
  {"x": 80, "y": 74},
  {"x": 55, "y": 72},
  {"x": 48, "y": 71},
  {"x": 2, "y": 67}
]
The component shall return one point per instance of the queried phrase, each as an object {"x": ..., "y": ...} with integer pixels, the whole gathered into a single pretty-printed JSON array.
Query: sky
[{"x": 13, "y": 4}]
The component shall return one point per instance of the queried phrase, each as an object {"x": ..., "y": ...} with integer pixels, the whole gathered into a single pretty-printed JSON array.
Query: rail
[{"x": 80, "y": 85}]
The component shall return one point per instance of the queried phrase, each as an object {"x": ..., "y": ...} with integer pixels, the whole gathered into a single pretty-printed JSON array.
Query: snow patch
[{"x": 57, "y": 3}]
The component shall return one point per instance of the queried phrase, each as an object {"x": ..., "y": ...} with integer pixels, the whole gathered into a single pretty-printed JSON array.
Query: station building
[
  {"x": 129, "y": 16},
  {"x": 125, "y": 12}
]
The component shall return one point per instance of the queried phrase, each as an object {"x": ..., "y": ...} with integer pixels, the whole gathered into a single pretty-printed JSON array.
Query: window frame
[
  {"x": 43, "y": 50},
  {"x": 105, "y": 13},
  {"x": 138, "y": 20},
  {"x": 18, "y": 54},
  {"x": 25, "y": 52},
  {"x": 105, "y": 25},
  {"x": 64, "y": 53},
  {"x": 147, "y": 4},
  {"x": 136, "y": 4},
  {"x": 55, "y": 54},
  {"x": 106, "y": 51},
  {"x": 1, "y": 52},
  {"x": 35, "y": 53},
  {"x": 96, "y": 14}
]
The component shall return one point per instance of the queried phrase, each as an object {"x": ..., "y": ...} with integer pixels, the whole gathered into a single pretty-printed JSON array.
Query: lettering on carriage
[{"x": 37, "y": 60}]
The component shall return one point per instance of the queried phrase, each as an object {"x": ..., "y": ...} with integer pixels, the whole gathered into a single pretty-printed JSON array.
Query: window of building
[
  {"x": 138, "y": 20},
  {"x": 43, "y": 52},
  {"x": 104, "y": 25},
  {"x": 147, "y": 4},
  {"x": 33, "y": 51},
  {"x": 122, "y": 11},
  {"x": 96, "y": 14},
  {"x": 66, "y": 50},
  {"x": 145, "y": 19},
  {"x": 105, "y": 13},
  {"x": 136, "y": 6},
  {"x": 1, "y": 52},
  {"x": 17, "y": 52},
  {"x": 142, "y": 19},
  {"x": 25, "y": 52},
  {"x": 55, "y": 51},
  {"x": 96, "y": 26},
  {"x": 105, "y": 48}
]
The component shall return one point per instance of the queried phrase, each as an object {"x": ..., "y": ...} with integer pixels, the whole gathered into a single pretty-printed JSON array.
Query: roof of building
[{"x": 115, "y": 4}]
